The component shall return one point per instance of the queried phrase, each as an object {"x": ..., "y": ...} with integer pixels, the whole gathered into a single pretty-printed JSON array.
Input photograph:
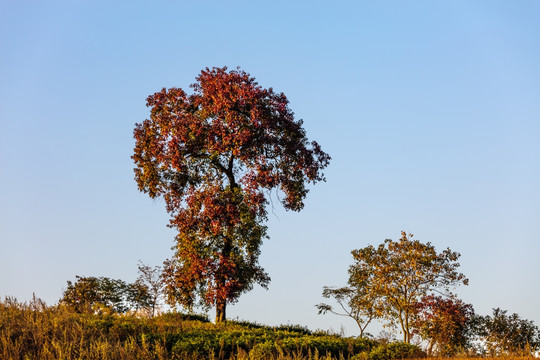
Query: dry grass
[
  {"x": 32, "y": 330},
  {"x": 513, "y": 357}
]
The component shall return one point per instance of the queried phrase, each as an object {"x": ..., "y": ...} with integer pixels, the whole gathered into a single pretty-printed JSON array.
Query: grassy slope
[{"x": 35, "y": 331}]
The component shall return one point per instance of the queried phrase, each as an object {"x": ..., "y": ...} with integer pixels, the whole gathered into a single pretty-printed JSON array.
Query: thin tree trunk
[
  {"x": 407, "y": 332},
  {"x": 402, "y": 323},
  {"x": 430, "y": 348},
  {"x": 361, "y": 329}
]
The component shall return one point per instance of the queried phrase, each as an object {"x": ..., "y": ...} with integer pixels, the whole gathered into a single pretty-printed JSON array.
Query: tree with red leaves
[
  {"x": 446, "y": 324},
  {"x": 215, "y": 156}
]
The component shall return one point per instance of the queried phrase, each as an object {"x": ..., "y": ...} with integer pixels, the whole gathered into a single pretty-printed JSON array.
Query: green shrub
[
  {"x": 396, "y": 350},
  {"x": 263, "y": 350},
  {"x": 179, "y": 317},
  {"x": 293, "y": 328}
]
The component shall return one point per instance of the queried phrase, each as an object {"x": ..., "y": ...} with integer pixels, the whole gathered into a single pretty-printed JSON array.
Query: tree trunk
[
  {"x": 403, "y": 327},
  {"x": 221, "y": 303},
  {"x": 430, "y": 348},
  {"x": 361, "y": 329},
  {"x": 221, "y": 311},
  {"x": 407, "y": 332}
]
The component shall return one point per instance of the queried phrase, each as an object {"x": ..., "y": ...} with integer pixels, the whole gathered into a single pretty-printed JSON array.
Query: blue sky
[{"x": 430, "y": 111}]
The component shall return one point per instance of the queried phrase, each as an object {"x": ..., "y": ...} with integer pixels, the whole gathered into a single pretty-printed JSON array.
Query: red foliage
[
  {"x": 444, "y": 322},
  {"x": 214, "y": 156}
]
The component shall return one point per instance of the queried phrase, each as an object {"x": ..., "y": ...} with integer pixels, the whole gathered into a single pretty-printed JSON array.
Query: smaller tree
[
  {"x": 445, "y": 323},
  {"x": 399, "y": 273},
  {"x": 138, "y": 297},
  {"x": 509, "y": 334},
  {"x": 353, "y": 303},
  {"x": 87, "y": 292},
  {"x": 150, "y": 284},
  {"x": 82, "y": 294}
]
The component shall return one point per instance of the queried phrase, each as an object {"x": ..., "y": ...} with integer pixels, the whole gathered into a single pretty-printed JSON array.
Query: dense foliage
[
  {"x": 215, "y": 156},
  {"x": 398, "y": 273},
  {"x": 506, "y": 334},
  {"x": 446, "y": 323},
  {"x": 88, "y": 294},
  {"x": 398, "y": 281},
  {"x": 388, "y": 282}
]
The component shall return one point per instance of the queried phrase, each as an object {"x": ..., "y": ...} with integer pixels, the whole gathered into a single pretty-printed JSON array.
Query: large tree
[
  {"x": 400, "y": 273},
  {"x": 215, "y": 156}
]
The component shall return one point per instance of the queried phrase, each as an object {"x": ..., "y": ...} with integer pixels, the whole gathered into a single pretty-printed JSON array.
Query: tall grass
[{"x": 33, "y": 330}]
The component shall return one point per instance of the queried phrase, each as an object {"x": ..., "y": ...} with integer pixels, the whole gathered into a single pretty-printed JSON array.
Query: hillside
[{"x": 34, "y": 330}]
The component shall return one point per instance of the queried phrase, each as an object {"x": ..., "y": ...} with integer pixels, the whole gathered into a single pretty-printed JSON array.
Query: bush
[
  {"x": 396, "y": 350},
  {"x": 263, "y": 350},
  {"x": 179, "y": 317}
]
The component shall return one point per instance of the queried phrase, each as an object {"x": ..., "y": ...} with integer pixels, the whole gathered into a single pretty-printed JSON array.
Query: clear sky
[{"x": 429, "y": 109}]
